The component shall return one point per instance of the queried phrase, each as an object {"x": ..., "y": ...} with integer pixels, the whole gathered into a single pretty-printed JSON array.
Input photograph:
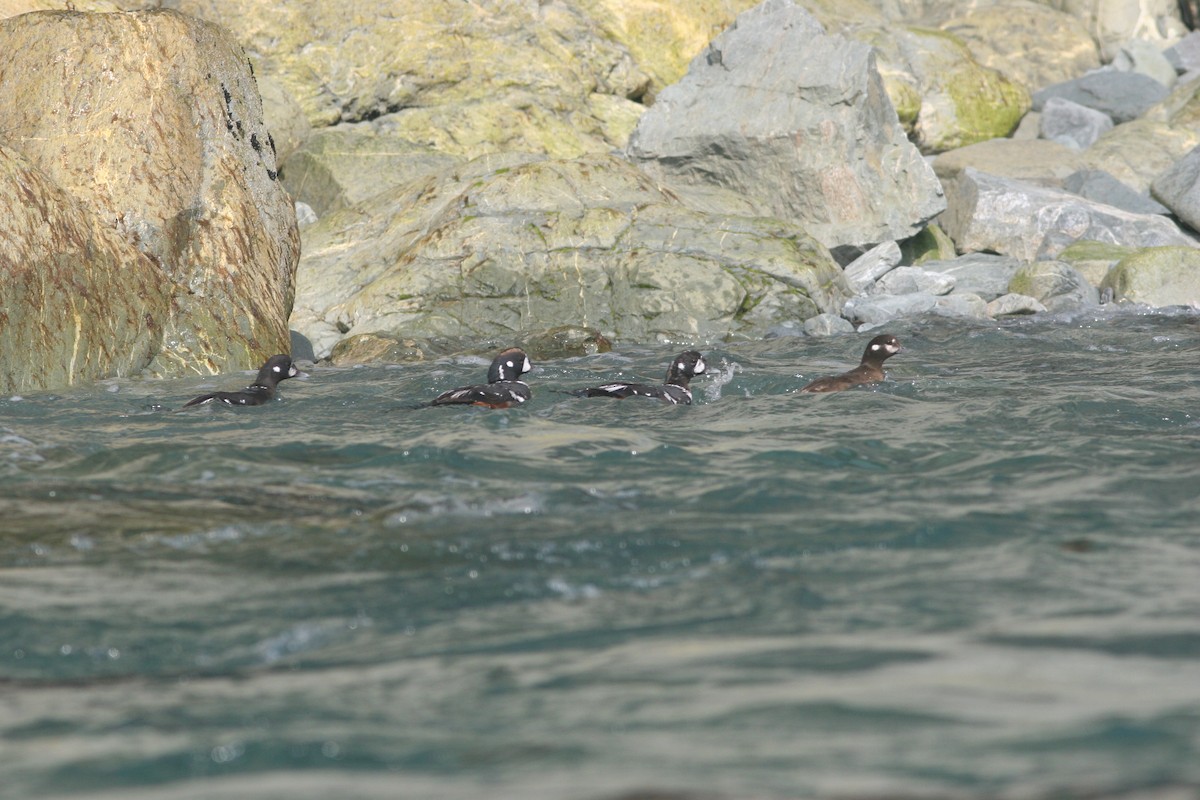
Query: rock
[
  {"x": 957, "y": 101},
  {"x": 1028, "y": 129},
  {"x": 1184, "y": 55},
  {"x": 305, "y": 215},
  {"x": 283, "y": 117},
  {"x": 1029, "y": 42},
  {"x": 827, "y": 325},
  {"x": 375, "y": 348},
  {"x": 877, "y": 309},
  {"x": 80, "y": 302},
  {"x": 1115, "y": 23},
  {"x": 1157, "y": 276},
  {"x": 1098, "y": 185},
  {"x": 301, "y": 348},
  {"x": 1123, "y": 96},
  {"x": 872, "y": 265},
  {"x": 565, "y": 341},
  {"x": 1093, "y": 260},
  {"x": 464, "y": 79},
  {"x": 914, "y": 280},
  {"x": 1135, "y": 152},
  {"x": 931, "y": 244},
  {"x": 1041, "y": 161},
  {"x": 987, "y": 213},
  {"x": 340, "y": 166},
  {"x": 796, "y": 120},
  {"x": 1071, "y": 124},
  {"x": 1179, "y": 189},
  {"x": 1145, "y": 58},
  {"x": 154, "y": 125},
  {"x": 519, "y": 242},
  {"x": 983, "y": 274},
  {"x": 961, "y": 304},
  {"x": 1013, "y": 304},
  {"x": 1055, "y": 284}
]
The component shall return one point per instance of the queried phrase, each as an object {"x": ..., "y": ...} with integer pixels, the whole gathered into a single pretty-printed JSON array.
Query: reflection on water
[{"x": 978, "y": 579}]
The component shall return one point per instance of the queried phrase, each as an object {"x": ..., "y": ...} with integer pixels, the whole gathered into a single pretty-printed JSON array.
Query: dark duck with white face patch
[
  {"x": 674, "y": 390},
  {"x": 504, "y": 388},
  {"x": 278, "y": 368},
  {"x": 879, "y": 349}
]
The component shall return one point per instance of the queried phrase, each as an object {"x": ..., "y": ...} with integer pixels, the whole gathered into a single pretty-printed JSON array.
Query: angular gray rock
[
  {"x": 874, "y": 310},
  {"x": 796, "y": 120},
  {"x": 1184, "y": 55},
  {"x": 1121, "y": 95},
  {"x": 987, "y": 213},
  {"x": 1069, "y": 123},
  {"x": 1179, "y": 189},
  {"x": 910, "y": 280},
  {"x": 961, "y": 304},
  {"x": 984, "y": 274},
  {"x": 872, "y": 265},
  {"x": 1098, "y": 185}
]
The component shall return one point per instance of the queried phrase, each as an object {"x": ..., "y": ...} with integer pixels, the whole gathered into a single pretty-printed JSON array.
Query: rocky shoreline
[{"x": 406, "y": 180}]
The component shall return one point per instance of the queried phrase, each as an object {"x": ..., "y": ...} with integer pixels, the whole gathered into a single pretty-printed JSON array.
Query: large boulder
[
  {"x": 513, "y": 244},
  {"x": 799, "y": 122},
  {"x": 1029, "y": 42},
  {"x": 944, "y": 97},
  {"x": 1179, "y": 189},
  {"x": 1157, "y": 276},
  {"x": 463, "y": 78},
  {"x": 154, "y": 125},
  {"x": 1134, "y": 153},
  {"x": 77, "y": 300},
  {"x": 1003, "y": 216}
]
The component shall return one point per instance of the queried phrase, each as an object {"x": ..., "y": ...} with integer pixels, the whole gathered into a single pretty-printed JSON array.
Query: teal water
[{"x": 979, "y": 579}]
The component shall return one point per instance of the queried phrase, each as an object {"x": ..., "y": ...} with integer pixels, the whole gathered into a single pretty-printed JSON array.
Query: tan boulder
[
  {"x": 152, "y": 122},
  {"x": 77, "y": 300}
]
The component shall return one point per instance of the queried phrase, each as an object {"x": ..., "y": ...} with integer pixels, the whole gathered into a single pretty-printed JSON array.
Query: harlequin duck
[
  {"x": 504, "y": 388},
  {"x": 674, "y": 390},
  {"x": 278, "y": 368},
  {"x": 879, "y": 349}
]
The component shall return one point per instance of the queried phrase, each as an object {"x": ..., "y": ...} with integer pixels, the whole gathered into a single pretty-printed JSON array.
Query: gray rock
[
  {"x": 798, "y": 121},
  {"x": 827, "y": 325},
  {"x": 961, "y": 304},
  {"x": 1121, "y": 95},
  {"x": 872, "y": 265},
  {"x": 1011, "y": 304},
  {"x": 518, "y": 243},
  {"x": 875, "y": 310},
  {"x": 1057, "y": 285},
  {"x": 987, "y": 213},
  {"x": 1098, "y": 185},
  {"x": 911, "y": 280},
  {"x": 1179, "y": 188},
  {"x": 983, "y": 274},
  {"x": 1069, "y": 123},
  {"x": 1146, "y": 58},
  {"x": 304, "y": 214},
  {"x": 1184, "y": 55},
  {"x": 1157, "y": 276},
  {"x": 1040, "y": 161},
  {"x": 1135, "y": 152}
]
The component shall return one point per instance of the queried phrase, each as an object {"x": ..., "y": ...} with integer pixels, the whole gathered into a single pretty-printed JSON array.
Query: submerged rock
[
  {"x": 154, "y": 126},
  {"x": 1014, "y": 304},
  {"x": 797, "y": 121},
  {"x": 1055, "y": 284},
  {"x": 503, "y": 245}
]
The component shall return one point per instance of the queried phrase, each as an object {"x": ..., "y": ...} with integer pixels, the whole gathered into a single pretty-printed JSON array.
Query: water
[{"x": 980, "y": 579}]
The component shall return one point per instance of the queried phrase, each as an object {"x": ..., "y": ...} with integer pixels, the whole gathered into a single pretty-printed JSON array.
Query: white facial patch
[
  {"x": 527, "y": 366},
  {"x": 876, "y": 346},
  {"x": 276, "y": 368},
  {"x": 700, "y": 366}
]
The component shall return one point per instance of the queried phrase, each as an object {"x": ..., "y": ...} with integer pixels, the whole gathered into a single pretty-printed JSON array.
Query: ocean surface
[{"x": 979, "y": 579}]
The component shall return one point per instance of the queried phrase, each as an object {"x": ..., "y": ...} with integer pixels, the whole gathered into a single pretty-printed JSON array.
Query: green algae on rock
[{"x": 1157, "y": 276}]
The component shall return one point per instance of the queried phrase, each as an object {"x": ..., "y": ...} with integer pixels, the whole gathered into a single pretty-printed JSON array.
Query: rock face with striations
[
  {"x": 797, "y": 121},
  {"x": 511, "y": 244},
  {"x": 151, "y": 123}
]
